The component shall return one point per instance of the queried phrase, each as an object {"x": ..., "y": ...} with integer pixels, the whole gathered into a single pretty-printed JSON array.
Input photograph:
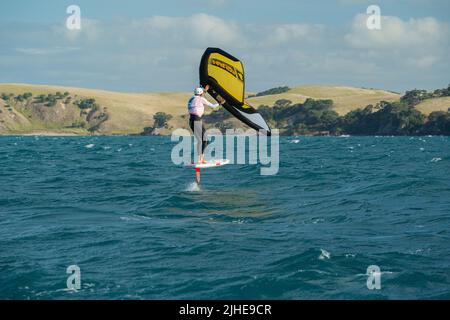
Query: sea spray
[{"x": 193, "y": 187}]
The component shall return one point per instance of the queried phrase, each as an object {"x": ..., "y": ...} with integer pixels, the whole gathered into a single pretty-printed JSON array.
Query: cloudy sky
[{"x": 143, "y": 46}]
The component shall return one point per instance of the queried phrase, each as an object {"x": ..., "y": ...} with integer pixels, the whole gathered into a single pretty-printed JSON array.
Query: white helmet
[{"x": 198, "y": 91}]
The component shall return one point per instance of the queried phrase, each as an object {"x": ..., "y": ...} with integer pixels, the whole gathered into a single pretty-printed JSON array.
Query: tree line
[{"x": 317, "y": 117}]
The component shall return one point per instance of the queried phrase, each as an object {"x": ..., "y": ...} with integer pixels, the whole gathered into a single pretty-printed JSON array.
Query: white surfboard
[{"x": 209, "y": 164}]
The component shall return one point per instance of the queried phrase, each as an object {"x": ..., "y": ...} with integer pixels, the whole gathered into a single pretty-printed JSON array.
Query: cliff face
[
  {"x": 11, "y": 119},
  {"x": 26, "y": 113}
]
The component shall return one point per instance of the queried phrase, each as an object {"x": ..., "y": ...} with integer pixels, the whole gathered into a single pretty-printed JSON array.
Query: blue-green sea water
[{"x": 138, "y": 228}]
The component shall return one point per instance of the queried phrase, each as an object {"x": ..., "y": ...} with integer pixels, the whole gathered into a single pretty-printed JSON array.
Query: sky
[{"x": 153, "y": 46}]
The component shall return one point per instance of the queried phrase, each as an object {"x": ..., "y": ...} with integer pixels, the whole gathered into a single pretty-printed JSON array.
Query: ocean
[{"x": 138, "y": 227}]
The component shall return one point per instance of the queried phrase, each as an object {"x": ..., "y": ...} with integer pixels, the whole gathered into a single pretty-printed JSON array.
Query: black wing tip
[
  {"x": 265, "y": 132},
  {"x": 211, "y": 50}
]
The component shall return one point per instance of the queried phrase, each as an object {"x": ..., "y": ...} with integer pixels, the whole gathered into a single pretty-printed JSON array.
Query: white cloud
[
  {"x": 163, "y": 53},
  {"x": 196, "y": 29},
  {"x": 423, "y": 62},
  {"x": 216, "y": 3},
  {"x": 46, "y": 51},
  {"x": 420, "y": 43},
  {"x": 288, "y": 33},
  {"x": 91, "y": 30},
  {"x": 354, "y": 2},
  {"x": 398, "y": 34}
]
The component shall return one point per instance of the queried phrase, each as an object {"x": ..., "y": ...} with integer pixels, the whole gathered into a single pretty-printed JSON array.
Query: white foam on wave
[
  {"x": 436, "y": 159},
  {"x": 324, "y": 254},
  {"x": 129, "y": 218},
  {"x": 89, "y": 146},
  {"x": 134, "y": 218},
  {"x": 381, "y": 273},
  {"x": 294, "y": 141},
  {"x": 193, "y": 187}
]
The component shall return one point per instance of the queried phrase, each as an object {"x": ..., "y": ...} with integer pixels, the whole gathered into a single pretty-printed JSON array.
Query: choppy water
[{"x": 139, "y": 229}]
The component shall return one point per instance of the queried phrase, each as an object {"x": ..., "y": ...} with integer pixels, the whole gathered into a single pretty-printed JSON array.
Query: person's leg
[
  {"x": 205, "y": 142},
  {"x": 196, "y": 127}
]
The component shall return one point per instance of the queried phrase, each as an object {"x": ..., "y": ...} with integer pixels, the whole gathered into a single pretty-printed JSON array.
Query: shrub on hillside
[
  {"x": 87, "y": 104},
  {"x": 277, "y": 90},
  {"x": 161, "y": 120}
]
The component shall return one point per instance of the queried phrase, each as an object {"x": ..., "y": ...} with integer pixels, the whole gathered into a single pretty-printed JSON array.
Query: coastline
[{"x": 48, "y": 134}]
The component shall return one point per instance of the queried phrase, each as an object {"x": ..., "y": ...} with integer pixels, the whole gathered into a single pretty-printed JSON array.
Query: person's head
[{"x": 199, "y": 91}]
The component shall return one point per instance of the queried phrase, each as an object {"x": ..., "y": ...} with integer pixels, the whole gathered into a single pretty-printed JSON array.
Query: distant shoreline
[
  {"x": 48, "y": 134},
  {"x": 61, "y": 134}
]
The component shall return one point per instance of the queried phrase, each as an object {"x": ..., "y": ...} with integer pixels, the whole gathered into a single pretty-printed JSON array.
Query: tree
[
  {"x": 87, "y": 104},
  {"x": 51, "y": 100},
  {"x": 282, "y": 103},
  {"x": 446, "y": 92},
  {"x": 438, "y": 123},
  {"x": 277, "y": 90},
  {"x": 266, "y": 112},
  {"x": 328, "y": 119},
  {"x": 5, "y": 97},
  {"x": 40, "y": 98},
  {"x": 161, "y": 119},
  {"x": 217, "y": 115},
  {"x": 414, "y": 97}
]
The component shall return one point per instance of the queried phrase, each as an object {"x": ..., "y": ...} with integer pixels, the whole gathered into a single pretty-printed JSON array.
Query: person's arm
[
  {"x": 219, "y": 98},
  {"x": 209, "y": 104}
]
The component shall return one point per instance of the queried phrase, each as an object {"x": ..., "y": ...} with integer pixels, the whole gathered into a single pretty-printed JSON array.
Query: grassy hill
[
  {"x": 345, "y": 99},
  {"x": 129, "y": 113},
  {"x": 435, "y": 104}
]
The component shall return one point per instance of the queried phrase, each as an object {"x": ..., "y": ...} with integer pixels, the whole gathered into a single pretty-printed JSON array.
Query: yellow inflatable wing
[{"x": 226, "y": 77}]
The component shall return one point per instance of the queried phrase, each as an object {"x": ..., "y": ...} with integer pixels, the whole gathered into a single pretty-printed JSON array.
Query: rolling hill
[
  {"x": 130, "y": 113},
  {"x": 345, "y": 99},
  {"x": 436, "y": 104}
]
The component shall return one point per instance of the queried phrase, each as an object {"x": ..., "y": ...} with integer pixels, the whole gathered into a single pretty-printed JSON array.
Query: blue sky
[{"x": 156, "y": 45}]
